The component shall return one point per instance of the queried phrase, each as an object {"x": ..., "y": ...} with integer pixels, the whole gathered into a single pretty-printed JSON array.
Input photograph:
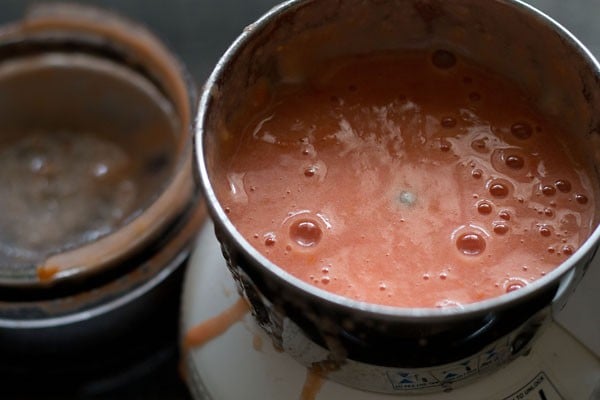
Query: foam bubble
[
  {"x": 306, "y": 232},
  {"x": 471, "y": 244}
]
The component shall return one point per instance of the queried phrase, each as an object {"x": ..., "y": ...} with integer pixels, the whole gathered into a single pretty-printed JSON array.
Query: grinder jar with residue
[
  {"x": 373, "y": 342},
  {"x": 95, "y": 158}
]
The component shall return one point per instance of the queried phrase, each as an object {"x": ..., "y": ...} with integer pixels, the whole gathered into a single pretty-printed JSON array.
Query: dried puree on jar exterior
[{"x": 409, "y": 179}]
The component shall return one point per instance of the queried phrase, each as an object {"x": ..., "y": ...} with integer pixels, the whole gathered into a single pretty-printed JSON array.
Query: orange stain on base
[
  {"x": 315, "y": 378},
  {"x": 215, "y": 326},
  {"x": 312, "y": 385}
]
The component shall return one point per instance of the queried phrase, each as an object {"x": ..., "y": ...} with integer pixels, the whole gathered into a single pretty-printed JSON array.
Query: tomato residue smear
[
  {"x": 312, "y": 385},
  {"x": 213, "y": 327}
]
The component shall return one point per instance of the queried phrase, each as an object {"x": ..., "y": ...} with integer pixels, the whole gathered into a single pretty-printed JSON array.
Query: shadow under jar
[{"x": 369, "y": 346}]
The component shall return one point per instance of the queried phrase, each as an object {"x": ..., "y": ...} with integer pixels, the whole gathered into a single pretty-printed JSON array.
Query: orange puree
[{"x": 413, "y": 179}]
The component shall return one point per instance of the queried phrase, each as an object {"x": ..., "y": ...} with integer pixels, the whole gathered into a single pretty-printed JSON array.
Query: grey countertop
[{"x": 199, "y": 31}]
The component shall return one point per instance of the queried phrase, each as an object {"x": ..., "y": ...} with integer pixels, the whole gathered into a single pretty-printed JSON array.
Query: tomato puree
[{"x": 416, "y": 180}]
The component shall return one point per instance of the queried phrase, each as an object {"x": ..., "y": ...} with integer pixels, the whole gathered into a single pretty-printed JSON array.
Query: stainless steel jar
[{"x": 373, "y": 347}]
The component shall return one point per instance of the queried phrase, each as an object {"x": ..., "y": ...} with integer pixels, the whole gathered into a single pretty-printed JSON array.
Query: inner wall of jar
[
  {"x": 504, "y": 37},
  {"x": 86, "y": 144}
]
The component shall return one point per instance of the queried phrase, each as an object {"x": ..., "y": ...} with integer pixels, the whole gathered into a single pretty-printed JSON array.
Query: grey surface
[
  {"x": 580, "y": 17},
  {"x": 199, "y": 31}
]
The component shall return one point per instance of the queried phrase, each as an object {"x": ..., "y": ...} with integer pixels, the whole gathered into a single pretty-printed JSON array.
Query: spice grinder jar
[
  {"x": 99, "y": 201},
  {"x": 370, "y": 346},
  {"x": 85, "y": 94}
]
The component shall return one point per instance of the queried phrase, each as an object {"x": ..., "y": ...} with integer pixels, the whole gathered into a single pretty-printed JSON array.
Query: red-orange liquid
[{"x": 412, "y": 180}]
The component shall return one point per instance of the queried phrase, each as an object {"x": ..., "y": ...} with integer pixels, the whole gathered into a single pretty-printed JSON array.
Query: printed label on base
[{"x": 539, "y": 388}]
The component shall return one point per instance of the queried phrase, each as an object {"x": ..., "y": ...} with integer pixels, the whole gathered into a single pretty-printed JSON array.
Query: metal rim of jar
[{"x": 159, "y": 267}]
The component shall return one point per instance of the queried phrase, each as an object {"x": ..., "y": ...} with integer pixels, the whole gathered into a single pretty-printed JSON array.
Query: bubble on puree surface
[{"x": 413, "y": 180}]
